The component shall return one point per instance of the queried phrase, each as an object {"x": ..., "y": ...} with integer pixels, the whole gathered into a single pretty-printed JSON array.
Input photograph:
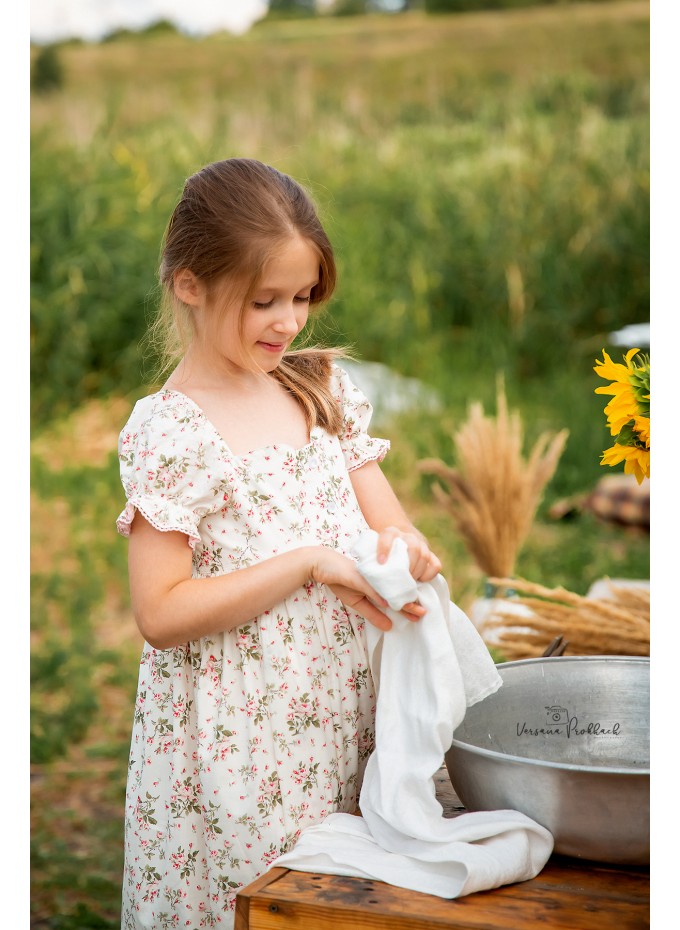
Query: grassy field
[{"x": 485, "y": 178}]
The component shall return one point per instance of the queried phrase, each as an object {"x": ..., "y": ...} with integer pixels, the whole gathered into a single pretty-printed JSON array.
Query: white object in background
[
  {"x": 635, "y": 335},
  {"x": 484, "y": 608},
  {"x": 604, "y": 589},
  {"x": 390, "y": 392}
]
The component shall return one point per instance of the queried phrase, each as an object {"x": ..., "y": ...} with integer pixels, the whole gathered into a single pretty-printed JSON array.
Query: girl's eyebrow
[{"x": 264, "y": 287}]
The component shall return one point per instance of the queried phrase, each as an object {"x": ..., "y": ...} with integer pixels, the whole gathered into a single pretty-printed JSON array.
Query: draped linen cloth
[{"x": 426, "y": 674}]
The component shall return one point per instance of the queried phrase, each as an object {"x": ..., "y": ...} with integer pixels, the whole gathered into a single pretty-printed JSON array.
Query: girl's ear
[{"x": 188, "y": 288}]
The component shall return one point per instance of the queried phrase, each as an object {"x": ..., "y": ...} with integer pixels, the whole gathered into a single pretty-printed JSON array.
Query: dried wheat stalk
[
  {"x": 593, "y": 626},
  {"x": 494, "y": 494}
]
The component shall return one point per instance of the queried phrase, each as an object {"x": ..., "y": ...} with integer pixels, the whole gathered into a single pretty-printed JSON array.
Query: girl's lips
[{"x": 273, "y": 346}]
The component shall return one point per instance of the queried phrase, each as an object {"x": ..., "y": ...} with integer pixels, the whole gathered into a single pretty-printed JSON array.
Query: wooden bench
[{"x": 569, "y": 894}]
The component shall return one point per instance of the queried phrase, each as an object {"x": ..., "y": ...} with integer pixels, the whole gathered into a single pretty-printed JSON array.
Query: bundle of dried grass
[
  {"x": 494, "y": 494},
  {"x": 616, "y": 625}
]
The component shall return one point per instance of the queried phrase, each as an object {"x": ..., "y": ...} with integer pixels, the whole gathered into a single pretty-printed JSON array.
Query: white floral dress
[{"x": 243, "y": 739}]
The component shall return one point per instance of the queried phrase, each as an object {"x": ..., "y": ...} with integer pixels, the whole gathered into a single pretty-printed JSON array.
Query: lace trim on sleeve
[
  {"x": 365, "y": 449},
  {"x": 163, "y": 520}
]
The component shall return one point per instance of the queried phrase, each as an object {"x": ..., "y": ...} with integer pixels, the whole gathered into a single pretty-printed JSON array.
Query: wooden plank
[
  {"x": 563, "y": 897},
  {"x": 245, "y": 896}
]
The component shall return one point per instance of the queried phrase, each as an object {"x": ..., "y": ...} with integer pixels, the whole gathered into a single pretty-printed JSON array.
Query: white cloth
[{"x": 427, "y": 673}]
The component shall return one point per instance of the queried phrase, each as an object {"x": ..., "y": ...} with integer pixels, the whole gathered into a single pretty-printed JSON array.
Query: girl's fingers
[
  {"x": 373, "y": 615},
  {"x": 419, "y": 564},
  {"x": 424, "y": 564},
  {"x": 431, "y": 568},
  {"x": 414, "y": 611},
  {"x": 385, "y": 540},
  {"x": 360, "y": 597}
]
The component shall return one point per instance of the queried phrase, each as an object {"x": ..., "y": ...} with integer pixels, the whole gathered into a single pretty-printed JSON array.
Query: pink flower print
[
  {"x": 302, "y": 713},
  {"x": 271, "y": 854},
  {"x": 150, "y": 879},
  {"x": 366, "y": 743},
  {"x": 248, "y": 643},
  {"x": 350, "y": 427},
  {"x": 306, "y": 775},
  {"x": 342, "y": 629},
  {"x": 210, "y": 669},
  {"x": 285, "y": 627},
  {"x": 270, "y": 794},
  {"x": 185, "y": 798},
  {"x": 145, "y": 811},
  {"x": 178, "y": 858},
  {"x": 210, "y": 919},
  {"x": 211, "y": 820},
  {"x": 297, "y": 812},
  {"x": 358, "y": 681},
  {"x": 226, "y": 745},
  {"x": 248, "y": 772},
  {"x": 184, "y": 862},
  {"x": 169, "y": 471}
]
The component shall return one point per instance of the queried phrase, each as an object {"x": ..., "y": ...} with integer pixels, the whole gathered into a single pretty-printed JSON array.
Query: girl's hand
[
  {"x": 423, "y": 563},
  {"x": 345, "y": 581}
]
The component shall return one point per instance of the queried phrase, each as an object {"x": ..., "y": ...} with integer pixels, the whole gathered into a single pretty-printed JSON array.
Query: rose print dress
[{"x": 241, "y": 740}]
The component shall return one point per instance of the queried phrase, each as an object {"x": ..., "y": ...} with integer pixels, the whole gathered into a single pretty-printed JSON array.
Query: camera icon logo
[{"x": 557, "y": 715}]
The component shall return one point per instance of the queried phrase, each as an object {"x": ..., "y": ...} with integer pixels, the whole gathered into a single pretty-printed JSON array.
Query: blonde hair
[{"x": 231, "y": 218}]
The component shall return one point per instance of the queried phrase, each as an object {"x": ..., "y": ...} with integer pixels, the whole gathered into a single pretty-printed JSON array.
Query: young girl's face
[{"x": 276, "y": 313}]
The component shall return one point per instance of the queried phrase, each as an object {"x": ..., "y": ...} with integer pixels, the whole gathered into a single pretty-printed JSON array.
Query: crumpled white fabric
[{"x": 426, "y": 673}]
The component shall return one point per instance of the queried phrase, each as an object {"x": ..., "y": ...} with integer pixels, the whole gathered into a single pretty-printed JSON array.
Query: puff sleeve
[
  {"x": 167, "y": 472},
  {"x": 357, "y": 445}
]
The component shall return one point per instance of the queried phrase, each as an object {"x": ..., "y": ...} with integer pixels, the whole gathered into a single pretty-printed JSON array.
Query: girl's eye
[{"x": 262, "y": 305}]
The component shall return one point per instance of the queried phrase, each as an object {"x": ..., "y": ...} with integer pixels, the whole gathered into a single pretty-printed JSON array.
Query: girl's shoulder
[
  {"x": 165, "y": 403},
  {"x": 344, "y": 388},
  {"x": 163, "y": 414}
]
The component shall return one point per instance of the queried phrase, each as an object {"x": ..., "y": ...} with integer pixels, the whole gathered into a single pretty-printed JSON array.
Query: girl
[{"x": 248, "y": 476}]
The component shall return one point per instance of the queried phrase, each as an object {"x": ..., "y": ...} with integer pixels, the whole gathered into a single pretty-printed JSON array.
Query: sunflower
[
  {"x": 627, "y": 412},
  {"x": 636, "y": 460}
]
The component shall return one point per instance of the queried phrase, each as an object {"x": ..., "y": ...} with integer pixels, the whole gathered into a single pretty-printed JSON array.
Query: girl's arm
[
  {"x": 384, "y": 514},
  {"x": 171, "y": 607}
]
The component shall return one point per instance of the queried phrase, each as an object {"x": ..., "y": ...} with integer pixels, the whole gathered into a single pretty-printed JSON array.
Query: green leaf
[{"x": 629, "y": 437}]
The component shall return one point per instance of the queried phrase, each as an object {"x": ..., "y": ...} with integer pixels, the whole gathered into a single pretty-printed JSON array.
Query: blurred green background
[{"x": 484, "y": 177}]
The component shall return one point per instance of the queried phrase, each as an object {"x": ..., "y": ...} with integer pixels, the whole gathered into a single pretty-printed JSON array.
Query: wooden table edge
[{"x": 242, "y": 911}]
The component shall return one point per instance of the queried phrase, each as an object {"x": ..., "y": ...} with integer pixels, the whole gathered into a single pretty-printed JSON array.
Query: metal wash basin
[{"x": 565, "y": 741}]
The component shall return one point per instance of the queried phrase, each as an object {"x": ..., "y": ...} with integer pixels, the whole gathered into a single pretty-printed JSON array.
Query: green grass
[{"x": 485, "y": 180}]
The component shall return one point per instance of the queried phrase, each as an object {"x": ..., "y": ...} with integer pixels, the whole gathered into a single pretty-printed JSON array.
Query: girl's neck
[{"x": 206, "y": 375}]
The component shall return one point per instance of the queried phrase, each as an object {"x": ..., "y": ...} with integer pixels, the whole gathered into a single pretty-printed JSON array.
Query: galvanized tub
[{"x": 565, "y": 740}]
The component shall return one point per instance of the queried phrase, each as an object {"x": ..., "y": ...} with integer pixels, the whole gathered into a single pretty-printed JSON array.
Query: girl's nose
[{"x": 288, "y": 320}]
